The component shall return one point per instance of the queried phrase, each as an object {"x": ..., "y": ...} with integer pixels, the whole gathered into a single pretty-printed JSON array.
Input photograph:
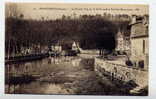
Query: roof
[{"x": 135, "y": 23}]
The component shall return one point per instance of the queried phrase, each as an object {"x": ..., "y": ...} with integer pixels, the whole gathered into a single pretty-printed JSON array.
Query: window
[
  {"x": 143, "y": 46},
  {"x": 141, "y": 64}
]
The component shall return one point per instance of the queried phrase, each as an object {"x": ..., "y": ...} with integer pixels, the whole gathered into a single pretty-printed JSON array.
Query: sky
[{"x": 55, "y": 10}]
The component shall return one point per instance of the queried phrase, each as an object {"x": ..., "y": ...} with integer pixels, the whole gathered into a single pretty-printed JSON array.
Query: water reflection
[{"x": 25, "y": 74}]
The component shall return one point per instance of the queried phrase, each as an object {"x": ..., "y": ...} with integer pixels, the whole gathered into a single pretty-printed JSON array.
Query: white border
[{"x": 152, "y": 49}]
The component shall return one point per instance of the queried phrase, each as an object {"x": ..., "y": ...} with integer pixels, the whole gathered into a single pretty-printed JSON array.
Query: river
[{"x": 62, "y": 75}]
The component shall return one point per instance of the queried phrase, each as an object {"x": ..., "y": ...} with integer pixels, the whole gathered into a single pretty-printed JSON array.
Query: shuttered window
[{"x": 143, "y": 46}]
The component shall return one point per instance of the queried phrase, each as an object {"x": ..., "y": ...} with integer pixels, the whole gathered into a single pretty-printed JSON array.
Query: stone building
[
  {"x": 122, "y": 43},
  {"x": 119, "y": 41},
  {"x": 139, "y": 41}
]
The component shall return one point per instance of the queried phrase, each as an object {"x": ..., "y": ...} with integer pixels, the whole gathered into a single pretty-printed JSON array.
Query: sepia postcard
[{"x": 76, "y": 49}]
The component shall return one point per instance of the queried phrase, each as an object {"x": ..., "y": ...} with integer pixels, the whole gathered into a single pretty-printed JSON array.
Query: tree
[{"x": 11, "y": 10}]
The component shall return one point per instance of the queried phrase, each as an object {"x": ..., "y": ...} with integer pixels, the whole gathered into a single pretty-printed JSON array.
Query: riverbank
[{"x": 24, "y": 58}]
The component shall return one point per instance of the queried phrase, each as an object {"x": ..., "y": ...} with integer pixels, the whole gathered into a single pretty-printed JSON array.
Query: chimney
[{"x": 146, "y": 19}]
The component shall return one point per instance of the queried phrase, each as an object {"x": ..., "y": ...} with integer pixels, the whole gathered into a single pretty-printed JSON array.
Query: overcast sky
[{"x": 53, "y": 11}]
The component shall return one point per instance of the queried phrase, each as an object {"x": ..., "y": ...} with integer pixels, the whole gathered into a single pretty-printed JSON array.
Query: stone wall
[
  {"x": 140, "y": 50},
  {"x": 122, "y": 72}
]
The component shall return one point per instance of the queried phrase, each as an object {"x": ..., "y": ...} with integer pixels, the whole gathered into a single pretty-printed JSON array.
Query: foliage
[{"x": 92, "y": 32}]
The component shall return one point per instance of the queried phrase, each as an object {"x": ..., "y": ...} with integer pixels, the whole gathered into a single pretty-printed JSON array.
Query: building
[
  {"x": 69, "y": 44},
  {"x": 139, "y": 41},
  {"x": 119, "y": 41},
  {"x": 75, "y": 46},
  {"x": 122, "y": 43},
  {"x": 56, "y": 48}
]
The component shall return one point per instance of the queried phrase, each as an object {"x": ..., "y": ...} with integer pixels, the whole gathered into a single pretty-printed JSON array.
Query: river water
[{"x": 63, "y": 75}]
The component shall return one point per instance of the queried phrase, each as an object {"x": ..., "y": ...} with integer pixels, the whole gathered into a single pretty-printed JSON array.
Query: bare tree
[{"x": 11, "y": 10}]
